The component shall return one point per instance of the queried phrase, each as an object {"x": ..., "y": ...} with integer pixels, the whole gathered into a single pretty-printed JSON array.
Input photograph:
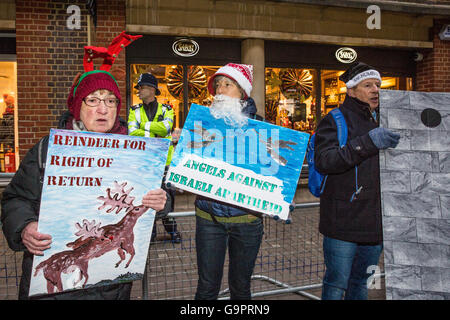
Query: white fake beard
[{"x": 229, "y": 109}]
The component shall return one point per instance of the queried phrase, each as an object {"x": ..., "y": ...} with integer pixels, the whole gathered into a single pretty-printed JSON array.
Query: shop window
[
  {"x": 290, "y": 98},
  {"x": 8, "y": 116},
  {"x": 334, "y": 90},
  {"x": 172, "y": 83}
]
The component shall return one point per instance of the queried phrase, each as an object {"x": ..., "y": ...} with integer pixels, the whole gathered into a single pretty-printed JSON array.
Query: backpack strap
[{"x": 342, "y": 130}]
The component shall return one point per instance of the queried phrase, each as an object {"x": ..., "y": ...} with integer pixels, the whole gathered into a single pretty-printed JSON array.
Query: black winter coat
[{"x": 358, "y": 220}]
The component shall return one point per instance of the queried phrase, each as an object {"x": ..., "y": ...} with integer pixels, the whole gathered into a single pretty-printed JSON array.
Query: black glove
[
  {"x": 384, "y": 138},
  {"x": 170, "y": 201},
  {"x": 162, "y": 214}
]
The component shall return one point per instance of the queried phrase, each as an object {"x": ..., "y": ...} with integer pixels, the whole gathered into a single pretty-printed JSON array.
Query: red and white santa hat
[{"x": 241, "y": 73}]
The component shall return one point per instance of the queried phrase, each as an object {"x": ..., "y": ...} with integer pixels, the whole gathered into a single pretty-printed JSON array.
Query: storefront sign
[
  {"x": 256, "y": 166},
  {"x": 346, "y": 55},
  {"x": 185, "y": 47}
]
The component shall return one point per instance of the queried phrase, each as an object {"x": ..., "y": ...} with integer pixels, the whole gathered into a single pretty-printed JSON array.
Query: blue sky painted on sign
[{"x": 246, "y": 147}]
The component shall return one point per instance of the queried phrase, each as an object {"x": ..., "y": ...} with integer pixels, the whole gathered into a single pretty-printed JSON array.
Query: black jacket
[{"x": 358, "y": 220}]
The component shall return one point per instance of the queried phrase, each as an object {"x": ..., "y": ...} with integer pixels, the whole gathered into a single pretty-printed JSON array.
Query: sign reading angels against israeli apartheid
[
  {"x": 256, "y": 166},
  {"x": 91, "y": 205}
]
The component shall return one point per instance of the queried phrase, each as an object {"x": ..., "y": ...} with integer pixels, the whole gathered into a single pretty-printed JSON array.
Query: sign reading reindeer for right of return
[{"x": 91, "y": 206}]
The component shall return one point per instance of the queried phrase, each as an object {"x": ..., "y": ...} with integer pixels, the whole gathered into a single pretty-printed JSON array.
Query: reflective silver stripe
[
  {"x": 147, "y": 129},
  {"x": 130, "y": 130},
  {"x": 133, "y": 124},
  {"x": 137, "y": 115},
  {"x": 167, "y": 125}
]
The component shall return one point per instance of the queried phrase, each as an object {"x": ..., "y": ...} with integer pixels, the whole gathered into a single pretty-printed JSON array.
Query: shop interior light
[{"x": 388, "y": 82}]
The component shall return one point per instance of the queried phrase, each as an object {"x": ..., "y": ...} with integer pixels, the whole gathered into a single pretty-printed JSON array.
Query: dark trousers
[{"x": 212, "y": 240}]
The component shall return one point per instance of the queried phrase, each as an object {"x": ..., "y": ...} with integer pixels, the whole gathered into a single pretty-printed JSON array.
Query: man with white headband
[{"x": 350, "y": 206}]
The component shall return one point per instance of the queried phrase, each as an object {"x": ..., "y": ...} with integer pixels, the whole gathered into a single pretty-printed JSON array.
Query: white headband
[{"x": 363, "y": 76}]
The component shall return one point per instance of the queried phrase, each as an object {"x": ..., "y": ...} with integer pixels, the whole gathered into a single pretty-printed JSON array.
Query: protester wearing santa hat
[
  {"x": 219, "y": 225},
  {"x": 350, "y": 213},
  {"x": 93, "y": 105}
]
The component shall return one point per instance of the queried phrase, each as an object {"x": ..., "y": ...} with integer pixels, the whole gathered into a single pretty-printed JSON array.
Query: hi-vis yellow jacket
[{"x": 160, "y": 126}]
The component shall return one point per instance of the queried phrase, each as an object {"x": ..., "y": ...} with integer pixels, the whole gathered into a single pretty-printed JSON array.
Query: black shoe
[{"x": 176, "y": 237}]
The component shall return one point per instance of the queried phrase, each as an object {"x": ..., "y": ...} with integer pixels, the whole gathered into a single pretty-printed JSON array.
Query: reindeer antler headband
[
  {"x": 92, "y": 80},
  {"x": 109, "y": 55}
]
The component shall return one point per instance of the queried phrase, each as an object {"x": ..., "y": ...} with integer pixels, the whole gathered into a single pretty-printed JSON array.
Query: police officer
[
  {"x": 150, "y": 118},
  {"x": 153, "y": 119}
]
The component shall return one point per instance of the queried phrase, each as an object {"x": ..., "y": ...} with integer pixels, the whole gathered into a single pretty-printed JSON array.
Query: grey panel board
[{"x": 415, "y": 193}]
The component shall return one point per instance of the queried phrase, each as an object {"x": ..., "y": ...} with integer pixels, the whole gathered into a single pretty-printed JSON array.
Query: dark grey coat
[{"x": 360, "y": 220}]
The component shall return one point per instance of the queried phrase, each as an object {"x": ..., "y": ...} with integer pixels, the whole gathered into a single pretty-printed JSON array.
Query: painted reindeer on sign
[
  {"x": 70, "y": 260},
  {"x": 95, "y": 241}
]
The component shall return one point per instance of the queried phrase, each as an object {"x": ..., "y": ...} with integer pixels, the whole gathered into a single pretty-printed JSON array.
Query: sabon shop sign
[
  {"x": 185, "y": 47},
  {"x": 346, "y": 55}
]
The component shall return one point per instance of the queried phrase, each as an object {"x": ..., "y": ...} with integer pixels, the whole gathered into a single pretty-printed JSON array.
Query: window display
[
  {"x": 292, "y": 99},
  {"x": 8, "y": 116},
  {"x": 334, "y": 90},
  {"x": 291, "y": 96},
  {"x": 172, "y": 82}
]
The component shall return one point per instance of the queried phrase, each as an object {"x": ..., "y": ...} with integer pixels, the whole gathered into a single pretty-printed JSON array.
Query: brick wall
[
  {"x": 49, "y": 55},
  {"x": 433, "y": 72}
]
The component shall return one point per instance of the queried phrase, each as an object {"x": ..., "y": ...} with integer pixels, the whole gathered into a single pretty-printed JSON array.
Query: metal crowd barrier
[
  {"x": 290, "y": 259},
  {"x": 10, "y": 271}
]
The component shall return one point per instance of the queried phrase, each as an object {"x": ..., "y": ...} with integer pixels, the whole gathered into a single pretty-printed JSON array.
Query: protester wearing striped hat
[{"x": 350, "y": 212}]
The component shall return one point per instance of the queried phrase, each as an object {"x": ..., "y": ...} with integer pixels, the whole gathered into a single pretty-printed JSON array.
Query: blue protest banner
[
  {"x": 256, "y": 166},
  {"x": 91, "y": 206}
]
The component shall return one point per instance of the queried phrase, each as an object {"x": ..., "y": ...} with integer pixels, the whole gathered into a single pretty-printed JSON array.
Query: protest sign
[
  {"x": 256, "y": 166},
  {"x": 91, "y": 206}
]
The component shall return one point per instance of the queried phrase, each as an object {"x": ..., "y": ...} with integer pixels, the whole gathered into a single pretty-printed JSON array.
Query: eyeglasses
[{"x": 95, "y": 102}]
